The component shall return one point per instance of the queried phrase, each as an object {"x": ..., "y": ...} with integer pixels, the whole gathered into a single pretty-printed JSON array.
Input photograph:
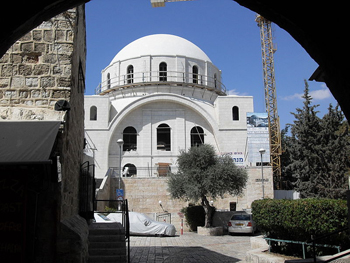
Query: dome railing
[{"x": 180, "y": 78}]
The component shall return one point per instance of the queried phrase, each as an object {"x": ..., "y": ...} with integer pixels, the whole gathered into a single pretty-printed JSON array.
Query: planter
[{"x": 211, "y": 231}]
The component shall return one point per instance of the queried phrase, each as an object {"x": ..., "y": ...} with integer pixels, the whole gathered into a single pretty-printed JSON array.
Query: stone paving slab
[{"x": 189, "y": 248}]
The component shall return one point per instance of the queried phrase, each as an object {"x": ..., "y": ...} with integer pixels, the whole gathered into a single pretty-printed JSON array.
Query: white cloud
[
  {"x": 319, "y": 94},
  {"x": 235, "y": 93}
]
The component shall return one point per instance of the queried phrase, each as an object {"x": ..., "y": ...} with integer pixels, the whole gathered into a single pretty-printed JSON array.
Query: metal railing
[
  {"x": 136, "y": 79},
  {"x": 301, "y": 243}
]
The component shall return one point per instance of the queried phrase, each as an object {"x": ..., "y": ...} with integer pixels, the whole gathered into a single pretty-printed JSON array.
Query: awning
[{"x": 27, "y": 141}]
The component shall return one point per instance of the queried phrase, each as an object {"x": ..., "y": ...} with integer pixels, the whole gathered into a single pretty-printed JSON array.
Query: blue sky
[{"x": 224, "y": 30}]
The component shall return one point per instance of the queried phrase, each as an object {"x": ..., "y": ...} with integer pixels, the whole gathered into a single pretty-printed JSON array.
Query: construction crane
[
  {"x": 268, "y": 51},
  {"x": 161, "y": 3}
]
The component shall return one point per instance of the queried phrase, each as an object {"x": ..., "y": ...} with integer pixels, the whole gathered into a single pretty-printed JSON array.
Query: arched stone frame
[
  {"x": 195, "y": 73},
  {"x": 129, "y": 170}
]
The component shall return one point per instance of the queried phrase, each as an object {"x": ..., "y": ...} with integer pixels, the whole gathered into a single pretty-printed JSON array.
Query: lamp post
[
  {"x": 262, "y": 151},
  {"x": 120, "y": 142}
]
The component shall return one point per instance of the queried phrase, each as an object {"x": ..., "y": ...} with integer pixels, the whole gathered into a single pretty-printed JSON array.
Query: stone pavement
[{"x": 189, "y": 248}]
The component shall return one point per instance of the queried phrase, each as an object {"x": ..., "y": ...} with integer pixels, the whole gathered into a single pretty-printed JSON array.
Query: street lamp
[
  {"x": 120, "y": 142},
  {"x": 262, "y": 151}
]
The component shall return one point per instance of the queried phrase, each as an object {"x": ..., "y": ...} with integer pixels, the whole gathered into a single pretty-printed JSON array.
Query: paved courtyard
[{"x": 189, "y": 248}]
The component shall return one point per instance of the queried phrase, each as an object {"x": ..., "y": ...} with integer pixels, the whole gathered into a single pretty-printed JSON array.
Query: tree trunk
[{"x": 209, "y": 210}]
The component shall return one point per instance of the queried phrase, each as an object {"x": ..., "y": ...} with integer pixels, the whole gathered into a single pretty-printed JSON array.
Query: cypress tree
[{"x": 305, "y": 148}]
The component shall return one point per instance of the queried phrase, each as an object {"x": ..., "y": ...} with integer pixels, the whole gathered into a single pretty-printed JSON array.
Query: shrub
[
  {"x": 299, "y": 219},
  {"x": 195, "y": 216}
]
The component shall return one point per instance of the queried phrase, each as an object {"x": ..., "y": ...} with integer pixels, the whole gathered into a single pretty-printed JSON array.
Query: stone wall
[
  {"x": 36, "y": 71},
  {"x": 44, "y": 66},
  {"x": 144, "y": 194}
]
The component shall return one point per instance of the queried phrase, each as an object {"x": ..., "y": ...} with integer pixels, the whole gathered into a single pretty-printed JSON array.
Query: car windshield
[{"x": 240, "y": 217}]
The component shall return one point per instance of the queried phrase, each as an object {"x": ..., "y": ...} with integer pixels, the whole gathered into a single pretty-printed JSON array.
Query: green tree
[
  {"x": 202, "y": 175},
  {"x": 304, "y": 149},
  {"x": 317, "y": 153},
  {"x": 335, "y": 154}
]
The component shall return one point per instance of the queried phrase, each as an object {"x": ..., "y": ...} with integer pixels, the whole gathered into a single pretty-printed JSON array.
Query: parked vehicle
[
  {"x": 140, "y": 224},
  {"x": 241, "y": 222}
]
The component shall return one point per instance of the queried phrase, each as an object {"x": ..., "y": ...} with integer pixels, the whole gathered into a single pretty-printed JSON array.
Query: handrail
[
  {"x": 301, "y": 243},
  {"x": 160, "y": 77}
]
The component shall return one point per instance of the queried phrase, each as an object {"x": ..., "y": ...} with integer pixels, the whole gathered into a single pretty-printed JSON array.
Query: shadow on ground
[{"x": 177, "y": 255}]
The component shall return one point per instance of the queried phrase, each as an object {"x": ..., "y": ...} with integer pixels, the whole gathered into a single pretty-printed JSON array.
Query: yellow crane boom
[{"x": 268, "y": 51}]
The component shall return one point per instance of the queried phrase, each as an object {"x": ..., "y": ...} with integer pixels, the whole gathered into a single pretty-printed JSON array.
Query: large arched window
[
  {"x": 129, "y": 170},
  {"x": 93, "y": 113},
  {"x": 197, "y": 136},
  {"x": 163, "y": 71},
  {"x": 108, "y": 81},
  {"x": 163, "y": 137},
  {"x": 235, "y": 113},
  {"x": 130, "y": 139},
  {"x": 130, "y": 74},
  {"x": 195, "y": 74}
]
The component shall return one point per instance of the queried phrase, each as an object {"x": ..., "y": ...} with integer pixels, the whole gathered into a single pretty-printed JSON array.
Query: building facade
[{"x": 162, "y": 94}]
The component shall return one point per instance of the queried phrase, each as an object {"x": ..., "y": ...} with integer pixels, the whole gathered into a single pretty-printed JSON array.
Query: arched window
[
  {"x": 235, "y": 113},
  {"x": 163, "y": 137},
  {"x": 163, "y": 71},
  {"x": 130, "y": 74},
  {"x": 129, "y": 170},
  {"x": 197, "y": 136},
  {"x": 195, "y": 74},
  {"x": 130, "y": 139},
  {"x": 108, "y": 81},
  {"x": 93, "y": 113}
]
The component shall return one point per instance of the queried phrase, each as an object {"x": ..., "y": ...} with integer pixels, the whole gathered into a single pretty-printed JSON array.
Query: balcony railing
[{"x": 138, "y": 79}]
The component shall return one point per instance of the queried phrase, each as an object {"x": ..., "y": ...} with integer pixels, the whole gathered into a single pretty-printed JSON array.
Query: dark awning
[{"x": 27, "y": 141}]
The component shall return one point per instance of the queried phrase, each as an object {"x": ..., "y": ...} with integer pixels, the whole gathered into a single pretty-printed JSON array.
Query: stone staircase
[{"x": 107, "y": 243}]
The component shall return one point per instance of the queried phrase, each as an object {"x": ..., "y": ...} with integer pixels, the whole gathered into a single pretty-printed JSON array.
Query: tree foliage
[
  {"x": 317, "y": 152},
  {"x": 202, "y": 174}
]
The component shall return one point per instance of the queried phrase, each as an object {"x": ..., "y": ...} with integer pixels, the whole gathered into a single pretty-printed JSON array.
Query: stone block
[
  {"x": 4, "y": 82},
  {"x": 50, "y": 58},
  {"x": 32, "y": 82},
  {"x": 16, "y": 58},
  {"x": 25, "y": 70},
  {"x": 48, "y": 36},
  {"x": 39, "y": 47},
  {"x": 17, "y": 82},
  {"x": 60, "y": 35},
  {"x": 37, "y": 35},
  {"x": 41, "y": 69},
  {"x": 46, "y": 82},
  {"x": 64, "y": 82},
  {"x": 6, "y": 70},
  {"x": 27, "y": 47}
]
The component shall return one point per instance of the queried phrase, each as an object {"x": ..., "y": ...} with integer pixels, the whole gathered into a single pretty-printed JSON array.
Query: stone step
[
  {"x": 97, "y": 245},
  {"x": 103, "y": 238},
  {"x": 103, "y": 259},
  {"x": 107, "y": 251}
]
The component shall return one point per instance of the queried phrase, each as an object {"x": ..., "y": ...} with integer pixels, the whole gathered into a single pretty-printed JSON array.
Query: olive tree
[{"x": 202, "y": 174}]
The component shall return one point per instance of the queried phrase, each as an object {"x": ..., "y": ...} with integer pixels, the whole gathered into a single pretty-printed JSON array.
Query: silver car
[{"x": 241, "y": 222}]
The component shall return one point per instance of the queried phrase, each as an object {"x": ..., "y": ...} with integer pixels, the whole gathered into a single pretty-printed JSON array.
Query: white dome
[{"x": 160, "y": 45}]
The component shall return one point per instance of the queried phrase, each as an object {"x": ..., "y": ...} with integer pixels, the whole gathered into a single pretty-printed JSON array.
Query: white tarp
[
  {"x": 27, "y": 141},
  {"x": 140, "y": 224}
]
